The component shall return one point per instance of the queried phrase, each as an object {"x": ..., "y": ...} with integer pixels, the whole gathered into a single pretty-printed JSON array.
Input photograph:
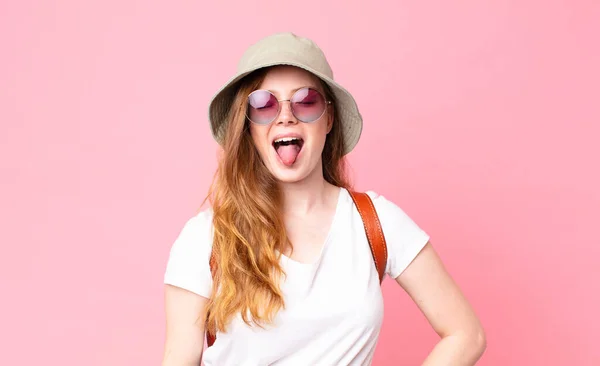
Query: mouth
[{"x": 288, "y": 149}]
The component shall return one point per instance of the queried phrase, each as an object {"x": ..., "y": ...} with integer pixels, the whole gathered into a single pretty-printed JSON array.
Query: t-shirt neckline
[{"x": 340, "y": 200}]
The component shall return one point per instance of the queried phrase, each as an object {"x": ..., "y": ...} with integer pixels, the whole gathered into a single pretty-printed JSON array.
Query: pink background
[{"x": 481, "y": 121}]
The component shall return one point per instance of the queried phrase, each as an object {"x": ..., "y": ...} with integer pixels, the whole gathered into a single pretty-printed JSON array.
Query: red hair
[{"x": 249, "y": 232}]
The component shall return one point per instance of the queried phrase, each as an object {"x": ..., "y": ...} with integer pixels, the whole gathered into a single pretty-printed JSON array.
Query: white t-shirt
[{"x": 333, "y": 307}]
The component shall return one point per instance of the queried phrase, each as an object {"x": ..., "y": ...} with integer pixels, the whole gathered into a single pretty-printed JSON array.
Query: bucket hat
[{"x": 286, "y": 48}]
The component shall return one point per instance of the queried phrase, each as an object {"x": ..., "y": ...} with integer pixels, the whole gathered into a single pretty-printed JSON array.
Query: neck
[{"x": 304, "y": 196}]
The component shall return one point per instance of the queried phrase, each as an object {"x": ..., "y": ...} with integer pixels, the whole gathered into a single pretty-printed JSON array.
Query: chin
[
  {"x": 290, "y": 175},
  {"x": 287, "y": 177}
]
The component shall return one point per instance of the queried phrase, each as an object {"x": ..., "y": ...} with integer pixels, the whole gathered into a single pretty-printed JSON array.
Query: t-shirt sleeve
[
  {"x": 188, "y": 263},
  {"x": 404, "y": 238}
]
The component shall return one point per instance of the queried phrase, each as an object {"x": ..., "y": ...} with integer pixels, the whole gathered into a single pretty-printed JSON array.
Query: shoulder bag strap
[
  {"x": 210, "y": 338},
  {"x": 375, "y": 236}
]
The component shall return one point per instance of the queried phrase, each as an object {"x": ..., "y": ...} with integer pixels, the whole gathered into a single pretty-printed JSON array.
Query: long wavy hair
[{"x": 249, "y": 232}]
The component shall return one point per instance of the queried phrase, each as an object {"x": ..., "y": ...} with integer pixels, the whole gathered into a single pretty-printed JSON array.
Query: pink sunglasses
[{"x": 307, "y": 105}]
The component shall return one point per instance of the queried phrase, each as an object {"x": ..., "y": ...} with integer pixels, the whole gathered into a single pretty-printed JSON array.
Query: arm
[
  {"x": 439, "y": 298},
  {"x": 185, "y": 315}
]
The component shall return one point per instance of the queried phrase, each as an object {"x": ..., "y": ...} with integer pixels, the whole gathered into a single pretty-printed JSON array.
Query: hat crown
[{"x": 285, "y": 48}]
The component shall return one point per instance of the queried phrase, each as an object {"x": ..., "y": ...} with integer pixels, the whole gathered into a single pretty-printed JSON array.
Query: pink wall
[{"x": 481, "y": 121}]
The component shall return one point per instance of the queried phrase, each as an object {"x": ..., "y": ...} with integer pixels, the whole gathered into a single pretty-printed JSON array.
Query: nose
[{"x": 285, "y": 114}]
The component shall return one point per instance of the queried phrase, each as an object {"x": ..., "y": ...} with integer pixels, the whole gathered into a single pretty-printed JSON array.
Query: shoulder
[
  {"x": 404, "y": 237},
  {"x": 393, "y": 217},
  {"x": 386, "y": 209},
  {"x": 196, "y": 230},
  {"x": 201, "y": 222}
]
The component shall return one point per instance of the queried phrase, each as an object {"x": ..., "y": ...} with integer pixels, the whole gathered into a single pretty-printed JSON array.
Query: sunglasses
[{"x": 307, "y": 105}]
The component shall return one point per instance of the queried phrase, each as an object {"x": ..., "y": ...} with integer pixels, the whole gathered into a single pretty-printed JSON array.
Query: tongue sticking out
[{"x": 288, "y": 154}]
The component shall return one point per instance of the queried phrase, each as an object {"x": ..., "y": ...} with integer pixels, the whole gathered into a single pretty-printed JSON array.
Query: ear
[{"x": 330, "y": 117}]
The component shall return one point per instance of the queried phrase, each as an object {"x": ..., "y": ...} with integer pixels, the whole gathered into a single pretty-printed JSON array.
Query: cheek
[
  {"x": 324, "y": 129},
  {"x": 259, "y": 135},
  {"x": 318, "y": 134}
]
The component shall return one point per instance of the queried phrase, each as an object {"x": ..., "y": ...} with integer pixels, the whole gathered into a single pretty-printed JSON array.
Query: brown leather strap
[
  {"x": 210, "y": 338},
  {"x": 375, "y": 236}
]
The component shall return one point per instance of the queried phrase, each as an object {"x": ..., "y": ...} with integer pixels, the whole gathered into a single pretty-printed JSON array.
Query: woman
[{"x": 295, "y": 282}]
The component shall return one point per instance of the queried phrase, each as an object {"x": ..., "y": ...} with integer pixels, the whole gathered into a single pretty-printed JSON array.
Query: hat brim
[{"x": 348, "y": 113}]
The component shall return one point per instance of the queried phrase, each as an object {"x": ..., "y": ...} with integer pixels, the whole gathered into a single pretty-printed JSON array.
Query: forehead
[{"x": 284, "y": 79}]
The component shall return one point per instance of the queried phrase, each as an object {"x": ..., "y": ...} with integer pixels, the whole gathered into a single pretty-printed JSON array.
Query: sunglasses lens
[
  {"x": 308, "y": 105},
  {"x": 262, "y": 107}
]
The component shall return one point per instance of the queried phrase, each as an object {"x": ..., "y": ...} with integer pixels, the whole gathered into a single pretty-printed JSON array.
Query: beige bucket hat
[{"x": 286, "y": 49}]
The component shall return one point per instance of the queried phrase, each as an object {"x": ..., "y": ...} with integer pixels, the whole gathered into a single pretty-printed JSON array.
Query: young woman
[{"x": 279, "y": 267}]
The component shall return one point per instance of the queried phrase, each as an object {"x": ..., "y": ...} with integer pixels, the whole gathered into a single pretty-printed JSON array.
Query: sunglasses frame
[{"x": 279, "y": 101}]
